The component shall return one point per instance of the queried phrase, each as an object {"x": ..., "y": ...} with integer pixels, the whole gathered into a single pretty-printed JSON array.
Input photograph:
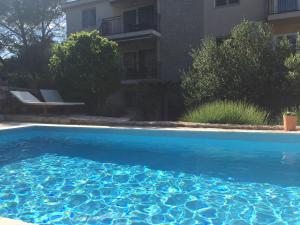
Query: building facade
[{"x": 156, "y": 36}]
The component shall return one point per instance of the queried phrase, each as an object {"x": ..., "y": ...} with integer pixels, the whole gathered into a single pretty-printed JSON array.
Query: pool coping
[
  {"x": 189, "y": 129},
  {"x": 7, "y": 221},
  {"x": 95, "y": 121}
]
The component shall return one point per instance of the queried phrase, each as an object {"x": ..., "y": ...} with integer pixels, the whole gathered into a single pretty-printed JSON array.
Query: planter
[{"x": 290, "y": 122}]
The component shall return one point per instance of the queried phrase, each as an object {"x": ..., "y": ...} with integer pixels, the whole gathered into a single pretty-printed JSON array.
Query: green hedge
[{"x": 227, "y": 112}]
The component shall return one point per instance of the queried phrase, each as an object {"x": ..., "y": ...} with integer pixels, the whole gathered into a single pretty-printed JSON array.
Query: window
[
  {"x": 89, "y": 18},
  {"x": 221, "y": 2},
  {"x": 129, "y": 20},
  {"x": 146, "y": 17},
  {"x": 287, "y": 5},
  {"x": 130, "y": 65},
  {"x": 140, "y": 64},
  {"x": 234, "y": 1},
  {"x": 226, "y": 2},
  {"x": 139, "y": 19}
]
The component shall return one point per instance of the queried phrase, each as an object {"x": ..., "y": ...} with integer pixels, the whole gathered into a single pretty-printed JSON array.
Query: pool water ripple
[
  {"x": 53, "y": 189},
  {"x": 67, "y": 176}
]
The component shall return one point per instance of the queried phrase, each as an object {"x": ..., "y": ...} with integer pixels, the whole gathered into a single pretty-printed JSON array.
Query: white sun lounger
[
  {"x": 51, "y": 96},
  {"x": 27, "y": 98}
]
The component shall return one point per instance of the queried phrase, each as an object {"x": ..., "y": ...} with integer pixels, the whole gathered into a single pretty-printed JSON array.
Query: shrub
[
  {"x": 227, "y": 112},
  {"x": 293, "y": 65},
  {"x": 247, "y": 66},
  {"x": 87, "y": 68}
]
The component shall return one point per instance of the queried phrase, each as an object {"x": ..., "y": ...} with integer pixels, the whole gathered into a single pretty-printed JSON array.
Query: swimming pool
[{"x": 55, "y": 175}]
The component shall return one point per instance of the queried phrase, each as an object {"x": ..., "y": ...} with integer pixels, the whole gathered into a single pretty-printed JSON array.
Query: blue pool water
[{"x": 110, "y": 176}]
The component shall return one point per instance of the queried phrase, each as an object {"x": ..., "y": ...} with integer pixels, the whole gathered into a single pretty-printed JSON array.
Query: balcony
[
  {"x": 118, "y": 28},
  {"x": 148, "y": 73},
  {"x": 283, "y": 9}
]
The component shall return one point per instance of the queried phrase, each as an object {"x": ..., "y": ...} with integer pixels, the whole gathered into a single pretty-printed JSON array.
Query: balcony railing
[
  {"x": 116, "y": 25},
  {"x": 151, "y": 71},
  {"x": 283, "y": 6}
]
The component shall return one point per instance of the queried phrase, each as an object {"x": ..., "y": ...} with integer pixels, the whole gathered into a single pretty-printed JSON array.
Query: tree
[
  {"x": 26, "y": 22},
  {"x": 248, "y": 66},
  {"x": 1, "y": 61},
  {"x": 87, "y": 67},
  {"x": 27, "y": 31}
]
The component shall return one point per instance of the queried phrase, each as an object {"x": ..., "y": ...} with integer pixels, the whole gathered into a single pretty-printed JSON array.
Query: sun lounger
[
  {"x": 54, "y": 96},
  {"x": 27, "y": 98}
]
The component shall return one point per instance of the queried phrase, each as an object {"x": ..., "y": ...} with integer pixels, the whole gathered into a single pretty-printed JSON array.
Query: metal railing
[
  {"x": 283, "y": 6},
  {"x": 150, "y": 71},
  {"x": 116, "y": 25}
]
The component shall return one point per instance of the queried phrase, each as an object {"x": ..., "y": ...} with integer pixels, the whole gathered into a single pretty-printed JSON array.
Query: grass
[{"x": 227, "y": 112}]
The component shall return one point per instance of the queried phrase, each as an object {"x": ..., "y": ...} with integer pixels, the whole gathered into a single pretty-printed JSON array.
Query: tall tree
[
  {"x": 27, "y": 31},
  {"x": 1, "y": 58},
  {"x": 87, "y": 68},
  {"x": 26, "y": 22}
]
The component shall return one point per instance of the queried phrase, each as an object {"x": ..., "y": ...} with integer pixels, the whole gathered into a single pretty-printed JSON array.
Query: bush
[
  {"x": 293, "y": 65},
  {"x": 149, "y": 101},
  {"x": 227, "y": 112},
  {"x": 87, "y": 68},
  {"x": 247, "y": 66},
  {"x": 29, "y": 67}
]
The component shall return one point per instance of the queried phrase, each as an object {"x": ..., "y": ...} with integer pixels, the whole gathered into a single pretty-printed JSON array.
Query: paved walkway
[
  {"x": 86, "y": 120},
  {"x": 126, "y": 122}
]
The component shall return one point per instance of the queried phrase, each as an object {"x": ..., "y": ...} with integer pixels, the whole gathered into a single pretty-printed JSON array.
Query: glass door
[
  {"x": 147, "y": 64},
  {"x": 146, "y": 17},
  {"x": 130, "y": 65},
  {"x": 129, "y": 20},
  {"x": 287, "y": 5}
]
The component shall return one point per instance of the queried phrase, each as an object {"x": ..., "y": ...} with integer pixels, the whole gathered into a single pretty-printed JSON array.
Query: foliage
[
  {"x": 290, "y": 113},
  {"x": 87, "y": 67},
  {"x": 28, "y": 28},
  {"x": 1, "y": 60},
  {"x": 247, "y": 66},
  {"x": 293, "y": 65},
  {"x": 227, "y": 112},
  {"x": 29, "y": 68},
  {"x": 26, "y": 22}
]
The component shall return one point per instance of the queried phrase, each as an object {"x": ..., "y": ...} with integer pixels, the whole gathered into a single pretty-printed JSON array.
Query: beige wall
[
  {"x": 103, "y": 10},
  {"x": 137, "y": 45},
  {"x": 218, "y": 21},
  {"x": 181, "y": 30}
]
